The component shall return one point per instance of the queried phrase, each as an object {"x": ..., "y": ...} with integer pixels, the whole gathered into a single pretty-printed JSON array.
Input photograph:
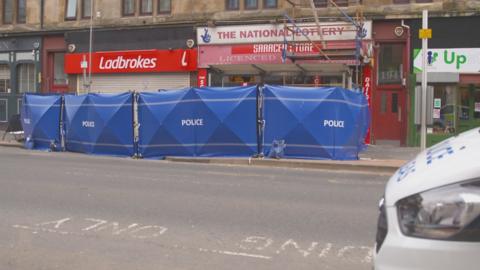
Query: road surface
[{"x": 73, "y": 211}]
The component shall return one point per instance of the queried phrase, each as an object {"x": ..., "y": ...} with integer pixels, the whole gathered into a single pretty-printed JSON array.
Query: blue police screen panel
[
  {"x": 198, "y": 122},
  {"x": 99, "y": 124},
  {"x": 162, "y": 117},
  {"x": 229, "y": 119},
  {"x": 317, "y": 123},
  {"x": 40, "y": 116}
]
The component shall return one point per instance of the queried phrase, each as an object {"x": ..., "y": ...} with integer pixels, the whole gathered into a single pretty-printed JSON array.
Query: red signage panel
[
  {"x": 268, "y": 53},
  {"x": 133, "y": 61},
  {"x": 367, "y": 91},
  {"x": 202, "y": 79}
]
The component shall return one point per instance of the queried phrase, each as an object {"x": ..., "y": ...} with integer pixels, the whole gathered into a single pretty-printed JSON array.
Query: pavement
[{"x": 376, "y": 159}]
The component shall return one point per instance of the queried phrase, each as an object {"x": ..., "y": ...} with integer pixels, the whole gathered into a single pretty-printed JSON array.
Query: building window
[
  {"x": 21, "y": 11},
  {"x": 3, "y": 110},
  {"x": 390, "y": 64},
  {"x": 4, "y": 78},
  {"x": 26, "y": 77},
  {"x": 59, "y": 76},
  {"x": 232, "y": 5},
  {"x": 164, "y": 6},
  {"x": 320, "y": 3},
  {"x": 146, "y": 7},
  {"x": 251, "y": 4},
  {"x": 128, "y": 7},
  {"x": 424, "y": 1},
  {"x": 325, "y": 3},
  {"x": 86, "y": 8},
  {"x": 401, "y": 1},
  {"x": 8, "y": 11},
  {"x": 71, "y": 10},
  {"x": 269, "y": 3}
]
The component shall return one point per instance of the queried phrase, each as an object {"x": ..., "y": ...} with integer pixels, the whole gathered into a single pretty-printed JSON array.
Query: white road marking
[
  {"x": 57, "y": 223},
  {"x": 294, "y": 244},
  {"x": 263, "y": 241},
  {"x": 98, "y": 223}
]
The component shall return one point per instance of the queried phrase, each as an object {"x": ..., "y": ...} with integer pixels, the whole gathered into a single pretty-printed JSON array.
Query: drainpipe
[
  {"x": 407, "y": 80},
  {"x": 42, "y": 13}
]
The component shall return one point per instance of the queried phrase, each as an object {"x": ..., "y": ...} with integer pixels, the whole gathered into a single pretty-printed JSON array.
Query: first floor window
[
  {"x": 232, "y": 4},
  {"x": 26, "y": 77},
  {"x": 164, "y": 6},
  {"x": 320, "y": 3},
  {"x": 8, "y": 11},
  {"x": 71, "y": 10},
  {"x": 270, "y": 3},
  {"x": 128, "y": 7},
  {"x": 86, "y": 8},
  {"x": 4, "y": 78},
  {"x": 21, "y": 11},
  {"x": 251, "y": 4},
  {"x": 146, "y": 6}
]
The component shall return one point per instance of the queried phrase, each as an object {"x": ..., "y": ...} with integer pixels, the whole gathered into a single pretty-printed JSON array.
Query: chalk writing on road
[{"x": 258, "y": 247}]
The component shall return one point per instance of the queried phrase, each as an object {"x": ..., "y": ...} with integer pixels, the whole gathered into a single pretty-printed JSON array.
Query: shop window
[
  {"x": 232, "y": 5},
  {"x": 270, "y": 3},
  {"x": 59, "y": 76},
  {"x": 146, "y": 7},
  {"x": 71, "y": 10},
  {"x": 4, "y": 78},
  {"x": 444, "y": 109},
  {"x": 86, "y": 8},
  {"x": 464, "y": 108},
  {"x": 128, "y": 7},
  {"x": 251, "y": 4},
  {"x": 476, "y": 104},
  {"x": 26, "y": 78},
  {"x": 3, "y": 110},
  {"x": 390, "y": 64},
  {"x": 8, "y": 11},
  {"x": 19, "y": 105},
  {"x": 164, "y": 6},
  {"x": 21, "y": 11}
]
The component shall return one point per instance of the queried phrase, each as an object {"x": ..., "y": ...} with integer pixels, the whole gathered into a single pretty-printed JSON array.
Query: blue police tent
[
  {"x": 99, "y": 124},
  {"x": 317, "y": 123},
  {"x": 198, "y": 122},
  {"x": 40, "y": 117}
]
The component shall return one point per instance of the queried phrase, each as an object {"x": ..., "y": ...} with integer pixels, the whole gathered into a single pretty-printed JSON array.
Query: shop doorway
[{"x": 389, "y": 110}]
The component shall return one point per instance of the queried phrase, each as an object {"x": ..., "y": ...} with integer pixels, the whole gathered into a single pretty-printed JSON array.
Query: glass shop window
[
  {"x": 444, "y": 109},
  {"x": 4, "y": 78},
  {"x": 26, "y": 78}
]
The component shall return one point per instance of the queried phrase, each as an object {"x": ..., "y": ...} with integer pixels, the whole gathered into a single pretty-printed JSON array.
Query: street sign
[
  {"x": 437, "y": 103},
  {"x": 425, "y": 33}
]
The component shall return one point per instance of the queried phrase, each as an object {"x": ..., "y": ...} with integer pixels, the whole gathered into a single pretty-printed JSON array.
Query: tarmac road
[{"x": 72, "y": 211}]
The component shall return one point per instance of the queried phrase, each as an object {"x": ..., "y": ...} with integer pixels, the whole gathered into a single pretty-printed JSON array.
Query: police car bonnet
[{"x": 453, "y": 160}]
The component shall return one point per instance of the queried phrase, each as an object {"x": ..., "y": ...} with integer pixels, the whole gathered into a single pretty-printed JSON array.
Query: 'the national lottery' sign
[
  {"x": 464, "y": 60},
  {"x": 263, "y": 33}
]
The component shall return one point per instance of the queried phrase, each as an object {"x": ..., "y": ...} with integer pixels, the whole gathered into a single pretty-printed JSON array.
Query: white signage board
[
  {"x": 465, "y": 60},
  {"x": 264, "y": 33}
]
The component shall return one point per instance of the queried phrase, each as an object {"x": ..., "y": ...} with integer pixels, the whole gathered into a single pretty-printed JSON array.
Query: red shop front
[{"x": 139, "y": 70}]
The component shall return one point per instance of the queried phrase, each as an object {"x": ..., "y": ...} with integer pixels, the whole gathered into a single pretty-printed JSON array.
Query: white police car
[{"x": 430, "y": 215}]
